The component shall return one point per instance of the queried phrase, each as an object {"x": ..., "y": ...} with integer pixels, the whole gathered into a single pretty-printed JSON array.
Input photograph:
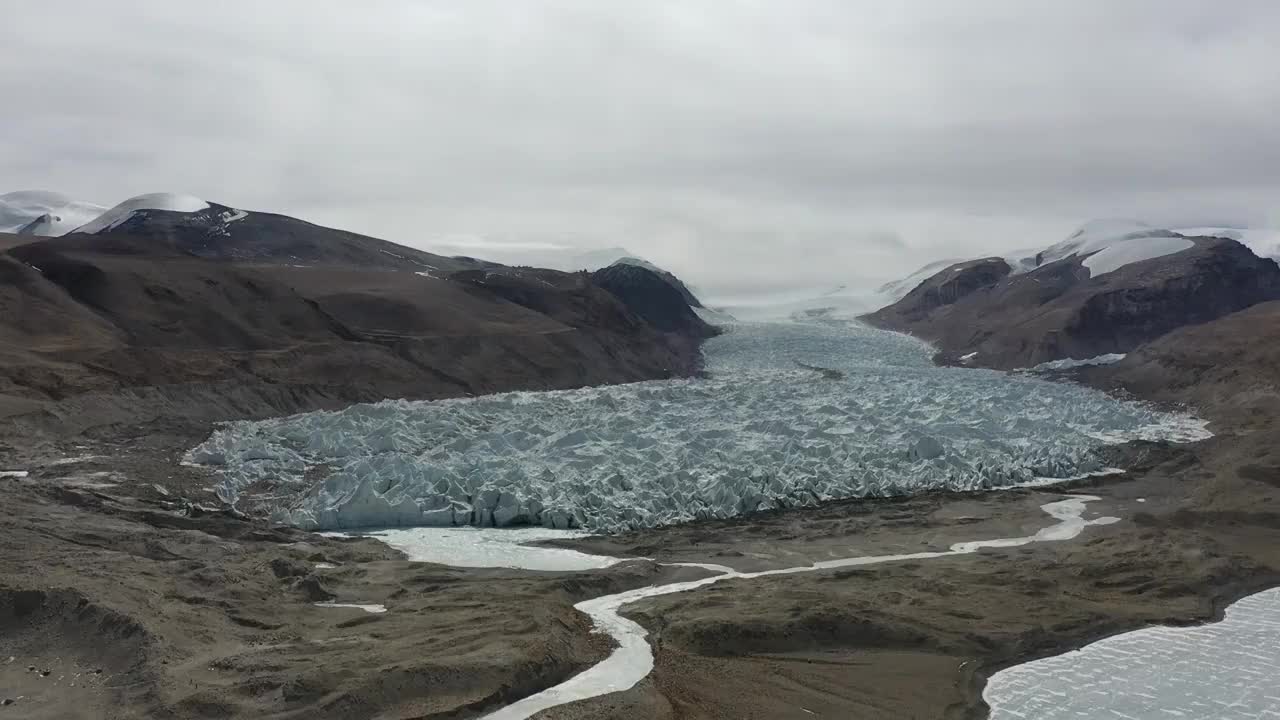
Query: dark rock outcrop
[
  {"x": 653, "y": 298},
  {"x": 670, "y": 277},
  {"x": 1060, "y": 311}
]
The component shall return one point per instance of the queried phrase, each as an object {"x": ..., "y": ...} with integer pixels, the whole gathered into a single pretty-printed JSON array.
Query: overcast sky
[{"x": 740, "y": 143}]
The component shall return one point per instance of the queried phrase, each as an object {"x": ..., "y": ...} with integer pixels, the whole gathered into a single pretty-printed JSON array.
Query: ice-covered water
[
  {"x": 793, "y": 414},
  {"x": 490, "y": 547},
  {"x": 1225, "y": 671}
]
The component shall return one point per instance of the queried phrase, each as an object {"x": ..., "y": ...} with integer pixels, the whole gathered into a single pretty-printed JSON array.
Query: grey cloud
[{"x": 742, "y": 144}]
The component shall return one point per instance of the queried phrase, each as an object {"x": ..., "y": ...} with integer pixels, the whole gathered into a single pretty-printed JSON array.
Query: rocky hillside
[
  {"x": 657, "y": 296},
  {"x": 210, "y": 314},
  {"x": 1112, "y": 300},
  {"x": 1229, "y": 367}
]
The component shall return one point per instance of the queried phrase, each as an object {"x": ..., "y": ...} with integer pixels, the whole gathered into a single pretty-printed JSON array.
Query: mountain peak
[{"x": 167, "y": 202}]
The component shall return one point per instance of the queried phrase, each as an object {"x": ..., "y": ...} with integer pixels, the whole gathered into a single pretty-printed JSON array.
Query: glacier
[{"x": 790, "y": 414}]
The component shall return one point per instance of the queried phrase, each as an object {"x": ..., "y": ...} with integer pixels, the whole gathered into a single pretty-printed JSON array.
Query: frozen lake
[
  {"x": 1222, "y": 671},
  {"x": 793, "y": 414}
]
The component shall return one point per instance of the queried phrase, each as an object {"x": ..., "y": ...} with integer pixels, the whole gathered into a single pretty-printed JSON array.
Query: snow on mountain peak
[
  {"x": 1098, "y": 235},
  {"x": 170, "y": 202},
  {"x": 41, "y": 212}
]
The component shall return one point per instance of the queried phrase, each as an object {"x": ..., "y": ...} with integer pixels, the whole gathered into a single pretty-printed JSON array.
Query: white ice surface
[
  {"x": 152, "y": 201},
  {"x": 1228, "y": 670},
  {"x": 490, "y": 547},
  {"x": 1264, "y": 242},
  {"x": 760, "y": 433},
  {"x": 1097, "y": 235},
  {"x": 632, "y": 660},
  {"x": 1116, "y": 256},
  {"x": 1069, "y": 363},
  {"x": 367, "y": 607},
  {"x": 61, "y": 213}
]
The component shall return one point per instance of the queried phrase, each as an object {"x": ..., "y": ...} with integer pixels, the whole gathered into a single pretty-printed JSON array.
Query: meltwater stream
[
  {"x": 793, "y": 414},
  {"x": 632, "y": 659}
]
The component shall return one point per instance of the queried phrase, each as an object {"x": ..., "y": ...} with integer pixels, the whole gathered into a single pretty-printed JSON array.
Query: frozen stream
[
  {"x": 632, "y": 660},
  {"x": 793, "y": 414}
]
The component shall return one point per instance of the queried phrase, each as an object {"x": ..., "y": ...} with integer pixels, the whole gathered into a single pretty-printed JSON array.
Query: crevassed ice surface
[
  {"x": 1225, "y": 671},
  {"x": 763, "y": 431}
]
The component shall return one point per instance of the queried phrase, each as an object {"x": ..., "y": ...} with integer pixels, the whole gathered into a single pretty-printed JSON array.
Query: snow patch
[
  {"x": 369, "y": 608},
  {"x": 1069, "y": 363},
  {"x": 170, "y": 202},
  {"x": 1114, "y": 257},
  {"x": 489, "y": 547}
]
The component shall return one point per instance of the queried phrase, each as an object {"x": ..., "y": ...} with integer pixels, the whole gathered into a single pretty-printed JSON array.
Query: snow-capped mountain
[
  {"x": 1110, "y": 243},
  {"x": 44, "y": 213},
  {"x": 120, "y": 214}
]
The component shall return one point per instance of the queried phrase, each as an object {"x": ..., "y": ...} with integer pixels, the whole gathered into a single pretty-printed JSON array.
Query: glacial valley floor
[{"x": 124, "y": 593}]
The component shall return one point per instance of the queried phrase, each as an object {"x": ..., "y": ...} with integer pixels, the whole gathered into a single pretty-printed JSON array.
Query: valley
[{"x": 796, "y": 515}]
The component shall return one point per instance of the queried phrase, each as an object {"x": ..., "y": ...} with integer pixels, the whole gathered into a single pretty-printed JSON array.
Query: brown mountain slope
[
  {"x": 1059, "y": 311},
  {"x": 108, "y": 330}
]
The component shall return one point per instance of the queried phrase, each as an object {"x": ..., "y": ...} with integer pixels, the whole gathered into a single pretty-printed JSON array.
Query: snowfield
[
  {"x": 1114, "y": 257},
  {"x": 762, "y": 432}
]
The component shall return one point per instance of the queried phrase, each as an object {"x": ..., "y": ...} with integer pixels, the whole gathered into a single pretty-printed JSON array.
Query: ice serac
[{"x": 761, "y": 432}]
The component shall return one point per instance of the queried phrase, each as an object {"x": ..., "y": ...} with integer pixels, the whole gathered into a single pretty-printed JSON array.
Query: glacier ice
[{"x": 761, "y": 432}]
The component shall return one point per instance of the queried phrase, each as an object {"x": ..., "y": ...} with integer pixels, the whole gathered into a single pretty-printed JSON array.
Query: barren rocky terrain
[{"x": 127, "y": 591}]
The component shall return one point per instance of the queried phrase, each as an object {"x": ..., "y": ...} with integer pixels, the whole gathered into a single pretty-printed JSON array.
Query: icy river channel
[
  {"x": 1225, "y": 670},
  {"x": 791, "y": 414}
]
